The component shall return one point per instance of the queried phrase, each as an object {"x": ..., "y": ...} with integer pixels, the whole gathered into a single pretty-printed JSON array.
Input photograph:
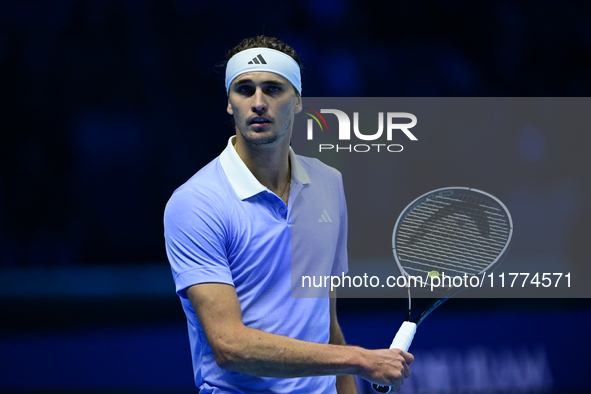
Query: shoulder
[{"x": 203, "y": 193}]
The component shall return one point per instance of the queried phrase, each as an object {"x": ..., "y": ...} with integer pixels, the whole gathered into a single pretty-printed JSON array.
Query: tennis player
[{"x": 232, "y": 243}]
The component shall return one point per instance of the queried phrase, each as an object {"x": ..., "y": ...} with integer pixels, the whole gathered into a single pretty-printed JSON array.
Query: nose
[{"x": 259, "y": 103}]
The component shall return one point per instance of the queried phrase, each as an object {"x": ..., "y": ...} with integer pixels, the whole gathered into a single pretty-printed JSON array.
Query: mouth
[{"x": 258, "y": 121}]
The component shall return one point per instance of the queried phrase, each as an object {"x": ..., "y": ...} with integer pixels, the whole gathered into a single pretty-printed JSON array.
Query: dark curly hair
[{"x": 264, "y": 42}]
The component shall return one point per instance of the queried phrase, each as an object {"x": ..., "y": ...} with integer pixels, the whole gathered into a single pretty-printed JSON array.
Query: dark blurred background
[{"x": 107, "y": 106}]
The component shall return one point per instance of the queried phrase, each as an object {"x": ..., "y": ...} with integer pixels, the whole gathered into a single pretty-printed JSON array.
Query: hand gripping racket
[{"x": 451, "y": 231}]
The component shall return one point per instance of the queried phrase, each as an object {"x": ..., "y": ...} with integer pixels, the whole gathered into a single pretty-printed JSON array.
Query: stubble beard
[{"x": 254, "y": 140}]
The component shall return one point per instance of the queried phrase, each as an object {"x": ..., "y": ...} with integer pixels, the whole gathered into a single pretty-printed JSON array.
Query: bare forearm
[
  {"x": 260, "y": 353},
  {"x": 250, "y": 351}
]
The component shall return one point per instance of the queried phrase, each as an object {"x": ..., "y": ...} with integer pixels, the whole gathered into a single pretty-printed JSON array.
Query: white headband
[{"x": 263, "y": 59}]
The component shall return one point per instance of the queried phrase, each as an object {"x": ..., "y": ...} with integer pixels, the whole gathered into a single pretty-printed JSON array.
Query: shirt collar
[{"x": 244, "y": 183}]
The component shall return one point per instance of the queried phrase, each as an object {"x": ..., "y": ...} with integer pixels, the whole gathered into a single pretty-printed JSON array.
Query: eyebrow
[{"x": 267, "y": 82}]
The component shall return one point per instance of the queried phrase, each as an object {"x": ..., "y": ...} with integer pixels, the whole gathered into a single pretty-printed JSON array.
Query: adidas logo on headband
[
  {"x": 256, "y": 60},
  {"x": 274, "y": 62}
]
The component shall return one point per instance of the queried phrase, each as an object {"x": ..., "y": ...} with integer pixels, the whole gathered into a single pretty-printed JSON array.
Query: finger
[
  {"x": 401, "y": 380},
  {"x": 408, "y": 357},
  {"x": 406, "y": 373}
]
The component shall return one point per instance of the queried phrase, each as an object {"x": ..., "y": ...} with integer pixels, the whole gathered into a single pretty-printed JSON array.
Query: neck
[{"x": 269, "y": 165}]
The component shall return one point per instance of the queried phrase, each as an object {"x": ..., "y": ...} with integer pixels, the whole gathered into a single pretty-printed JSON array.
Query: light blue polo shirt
[{"x": 224, "y": 226}]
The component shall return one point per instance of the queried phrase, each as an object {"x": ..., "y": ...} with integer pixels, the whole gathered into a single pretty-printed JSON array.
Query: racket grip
[
  {"x": 401, "y": 341},
  {"x": 404, "y": 336}
]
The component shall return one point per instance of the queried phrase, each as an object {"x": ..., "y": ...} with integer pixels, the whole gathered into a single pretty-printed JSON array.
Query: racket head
[{"x": 452, "y": 231}]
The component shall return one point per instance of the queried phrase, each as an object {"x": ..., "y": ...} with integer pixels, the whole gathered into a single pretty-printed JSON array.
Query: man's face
[{"x": 263, "y": 105}]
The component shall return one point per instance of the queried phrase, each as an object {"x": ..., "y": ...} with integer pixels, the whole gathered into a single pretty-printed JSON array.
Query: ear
[
  {"x": 229, "y": 109},
  {"x": 298, "y": 106}
]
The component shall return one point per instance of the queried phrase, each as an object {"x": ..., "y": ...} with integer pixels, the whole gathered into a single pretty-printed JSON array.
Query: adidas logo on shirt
[
  {"x": 325, "y": 217},
  {"x": 258, "y": 60}
]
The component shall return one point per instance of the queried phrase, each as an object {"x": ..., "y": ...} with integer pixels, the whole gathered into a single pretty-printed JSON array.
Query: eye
[
  {"x": 244, "y": 89},
  {"x": 274, "y": 88}
]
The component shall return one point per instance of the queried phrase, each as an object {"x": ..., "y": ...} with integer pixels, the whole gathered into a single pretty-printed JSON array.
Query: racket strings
[
  {"x": 442, "y": 239},
  {"x": 455, "y": 235},
  {"x": 443, "y": 235}
]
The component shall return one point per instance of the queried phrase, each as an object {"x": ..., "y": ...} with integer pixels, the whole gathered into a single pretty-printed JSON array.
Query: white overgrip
[
  {"x": 401, "y": 341},
  {"x": 404, "y": 336}
]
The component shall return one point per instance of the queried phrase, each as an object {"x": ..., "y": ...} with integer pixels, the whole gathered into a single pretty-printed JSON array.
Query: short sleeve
[{"x": 195, "y": 233}]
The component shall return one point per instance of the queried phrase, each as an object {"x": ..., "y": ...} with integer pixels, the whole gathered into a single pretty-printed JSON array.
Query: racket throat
[{"x": 434, "y": 304}]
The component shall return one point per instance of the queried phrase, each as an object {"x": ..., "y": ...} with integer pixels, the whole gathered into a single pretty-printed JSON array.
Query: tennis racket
[{"x": 451, "y": 231}]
